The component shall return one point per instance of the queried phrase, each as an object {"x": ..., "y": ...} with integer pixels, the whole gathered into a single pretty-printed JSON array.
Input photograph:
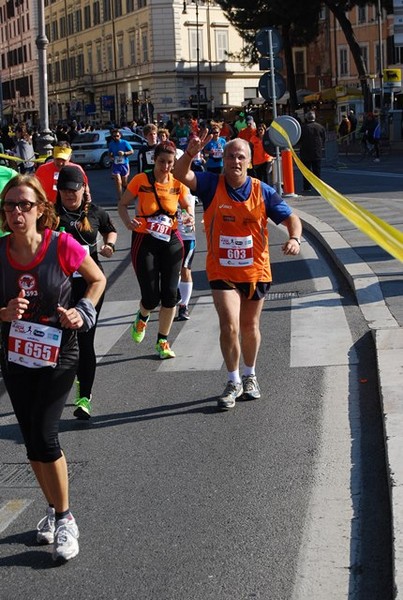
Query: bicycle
[{"x": 356, "y": 148}]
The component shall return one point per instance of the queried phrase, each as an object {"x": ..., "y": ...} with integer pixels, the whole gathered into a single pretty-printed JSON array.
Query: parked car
[{"x": 91, "y": 147}]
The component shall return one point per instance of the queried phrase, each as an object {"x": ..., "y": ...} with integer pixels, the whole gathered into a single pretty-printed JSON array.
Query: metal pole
[
  {"x": 42, "y": 43},
  {"x": 44, "y": 142},
  {"x": 1, "y": 101},
  {"x": 381, "y": 95},
  {"x": 197, "y": 60},
  {"x": 274, "y": 101}
]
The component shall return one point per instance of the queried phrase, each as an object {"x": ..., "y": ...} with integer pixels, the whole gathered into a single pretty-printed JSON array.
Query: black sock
[
  {"x": 162, "y": 337},
  {"x": 63, "y": 515},
  {"x": 143, "y": 318}
]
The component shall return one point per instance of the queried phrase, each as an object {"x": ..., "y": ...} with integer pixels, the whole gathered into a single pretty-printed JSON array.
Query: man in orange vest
[{"x": 236, "y": 213}]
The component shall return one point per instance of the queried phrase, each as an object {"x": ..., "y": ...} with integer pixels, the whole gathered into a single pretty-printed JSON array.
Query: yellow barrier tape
[
  {"x": 19, "y": 160},
  {"x": 382, "y": 233}
]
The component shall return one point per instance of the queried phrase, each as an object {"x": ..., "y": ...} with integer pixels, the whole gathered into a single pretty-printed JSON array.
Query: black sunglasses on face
[{"x": 23, "y": 206}]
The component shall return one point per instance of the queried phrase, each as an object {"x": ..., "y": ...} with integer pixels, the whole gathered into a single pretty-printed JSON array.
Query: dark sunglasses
[{"x": 23, "y": 206}]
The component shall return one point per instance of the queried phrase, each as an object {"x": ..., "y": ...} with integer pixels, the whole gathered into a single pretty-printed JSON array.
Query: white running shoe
[
  {"x": 46, "y": 527},
  {"x": 251, "y": 389},
  {"x": 66, "y": 540},
  {"x": 230, "y": 394}
]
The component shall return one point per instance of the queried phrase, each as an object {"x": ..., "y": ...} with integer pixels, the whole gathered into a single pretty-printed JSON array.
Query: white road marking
[
  {"x": 197, "y": 346},
  {"x": 331, "y": 538},
  {"x": 115, "y": 318},
  {"x": 319, "y": 331},
  {"x": 11, "y": 510},
  {"x": 319, "y": 327}
]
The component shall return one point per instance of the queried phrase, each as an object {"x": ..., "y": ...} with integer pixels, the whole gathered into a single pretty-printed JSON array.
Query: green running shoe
[
  {"x": 83, "y": 410},
  {"x": 139, "y": 329},
  {"x": 163, "y": 350}
]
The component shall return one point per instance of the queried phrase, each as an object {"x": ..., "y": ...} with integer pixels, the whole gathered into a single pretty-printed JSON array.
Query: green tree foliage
[
  {"x": 298, "y": 23},
  {"x": 340, "y": 9}
]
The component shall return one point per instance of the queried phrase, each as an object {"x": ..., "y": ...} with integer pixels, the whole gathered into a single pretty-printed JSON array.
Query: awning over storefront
[
  {"x": 332, "y": 94},
  {"x": 312, "y": 98}
]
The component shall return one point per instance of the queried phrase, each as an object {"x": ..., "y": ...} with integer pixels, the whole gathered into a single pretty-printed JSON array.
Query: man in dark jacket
[{"x": 311, "y": 144}]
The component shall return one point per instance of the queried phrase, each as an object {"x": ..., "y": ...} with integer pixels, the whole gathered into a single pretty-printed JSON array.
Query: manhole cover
[
  {"x": 21, "y": 474},
  {"x": 282, "y": 295}
]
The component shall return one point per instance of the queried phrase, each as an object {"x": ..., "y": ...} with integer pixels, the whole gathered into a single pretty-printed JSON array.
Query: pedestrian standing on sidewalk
[
  {"x": 39, "y": 350},
  {"x": 86, "y": 222},
  {"x": 24, "y": 149},
  {"x": 311, "y": 145},
  {"x": 157, "y": 248},
  {"x": 236, "y": 212}
]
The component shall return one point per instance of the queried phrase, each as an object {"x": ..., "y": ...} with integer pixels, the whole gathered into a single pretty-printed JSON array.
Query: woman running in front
[
  {"x": 157, "y": 247},
  {"x": 39, "y": 349}
]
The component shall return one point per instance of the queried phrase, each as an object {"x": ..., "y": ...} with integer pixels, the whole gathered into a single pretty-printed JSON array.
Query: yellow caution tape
[
  {"x": 385, "y": 235},
  {"x": 17, "y": 159}
]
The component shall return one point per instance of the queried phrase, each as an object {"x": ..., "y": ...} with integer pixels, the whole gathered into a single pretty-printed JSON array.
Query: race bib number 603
[{"x": 236, "y": 251}]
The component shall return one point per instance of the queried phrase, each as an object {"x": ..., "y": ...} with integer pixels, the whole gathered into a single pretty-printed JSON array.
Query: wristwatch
[
  {"x": 297, "y": 239},
  {"x": 110, "y": 245}
]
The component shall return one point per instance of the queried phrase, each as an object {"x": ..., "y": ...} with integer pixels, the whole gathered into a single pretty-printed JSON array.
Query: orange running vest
[{"x": 237, "y": 237}]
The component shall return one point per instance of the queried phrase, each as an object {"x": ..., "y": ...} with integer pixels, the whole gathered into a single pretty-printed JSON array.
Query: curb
[{"x": 388, "y": 339}]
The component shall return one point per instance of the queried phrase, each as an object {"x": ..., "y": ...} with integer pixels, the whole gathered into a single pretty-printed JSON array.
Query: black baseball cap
[{"x": 70, "y": 178}]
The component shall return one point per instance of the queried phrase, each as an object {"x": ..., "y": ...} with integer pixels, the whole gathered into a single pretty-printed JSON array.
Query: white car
[{"x": 91, "y": 147}]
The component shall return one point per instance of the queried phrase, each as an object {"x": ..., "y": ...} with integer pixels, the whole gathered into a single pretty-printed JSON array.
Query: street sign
[
  {"x": 264, "y": 63},
  {"x": 292, "y": 128},
  {"x": 265, "y": 88},
  {"x": 262, "y": 41},
  {"x": 392, "y": 79}
]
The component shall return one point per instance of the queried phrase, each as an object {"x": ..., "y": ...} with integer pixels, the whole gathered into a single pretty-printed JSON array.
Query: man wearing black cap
[{"x": 311, "y": 144}]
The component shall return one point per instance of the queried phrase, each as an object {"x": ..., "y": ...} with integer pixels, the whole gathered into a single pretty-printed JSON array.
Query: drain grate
[
  {"x": 282, "y": 295},
  {"x": 21, "y": 474}
]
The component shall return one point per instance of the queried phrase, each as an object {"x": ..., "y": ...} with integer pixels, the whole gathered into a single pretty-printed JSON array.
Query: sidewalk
[{"x": 377, "y": 281}]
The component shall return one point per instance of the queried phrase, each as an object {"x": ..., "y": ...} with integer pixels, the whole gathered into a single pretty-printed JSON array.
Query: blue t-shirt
[
  {"x": 215, "y": 151},
  {"x": 276, "y": 208},
  {"x": 121, "y": 145}
]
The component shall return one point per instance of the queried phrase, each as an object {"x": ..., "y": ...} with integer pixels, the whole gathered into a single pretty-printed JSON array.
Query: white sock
[
  {"x": 185, "y": 289},
  {"x": 249, "y": 371},
  {"x": 234, "y": 376}
]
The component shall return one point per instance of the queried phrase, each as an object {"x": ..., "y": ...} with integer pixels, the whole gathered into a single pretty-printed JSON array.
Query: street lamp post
[
  {"x": 45, "y": 138},
  {"x": 197, "y": 59},
  {"x": 184, "y": 12},
  {"x": 379, "y": 15}
]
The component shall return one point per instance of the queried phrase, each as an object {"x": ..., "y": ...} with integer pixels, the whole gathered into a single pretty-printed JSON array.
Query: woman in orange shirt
[
  {"x": 157, "y": 247},
  {"x": 262, "y": 162}
]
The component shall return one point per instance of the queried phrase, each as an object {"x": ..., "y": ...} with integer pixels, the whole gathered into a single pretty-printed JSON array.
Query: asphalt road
[{"x": 280, "y": 499}]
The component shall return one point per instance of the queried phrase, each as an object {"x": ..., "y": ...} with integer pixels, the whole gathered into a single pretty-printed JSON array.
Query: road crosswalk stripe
[
  {"x": 115, "y": 318},
  {"x": 197, "y": 347},
  {"x": 320, "y": 335},
  {"x": 11, "y": 511}
]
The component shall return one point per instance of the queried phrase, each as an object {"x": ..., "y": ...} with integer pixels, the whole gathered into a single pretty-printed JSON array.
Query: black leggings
[
  {"x": 157, "y": 265},
  {"x": 87, "y": 363},
  {"x": 38, "y": 397}
]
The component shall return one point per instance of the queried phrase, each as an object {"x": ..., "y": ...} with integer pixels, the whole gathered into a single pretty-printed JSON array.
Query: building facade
[
  {"x": 119, "y": 60},
  {"x": 19, "y": 65}
]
